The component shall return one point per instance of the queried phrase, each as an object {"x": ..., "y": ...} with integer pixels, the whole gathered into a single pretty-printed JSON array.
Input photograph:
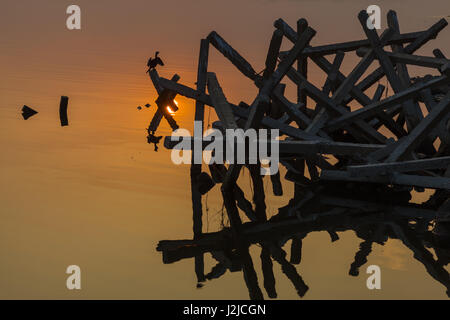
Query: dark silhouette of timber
[
  {"x": 63, "y": 111},
  {"x": 353, "y": 148},
  {"x": 334, "y": 207}
]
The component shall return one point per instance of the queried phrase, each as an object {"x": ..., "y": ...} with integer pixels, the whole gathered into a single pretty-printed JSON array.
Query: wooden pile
[{"x": 386, "y": 140}]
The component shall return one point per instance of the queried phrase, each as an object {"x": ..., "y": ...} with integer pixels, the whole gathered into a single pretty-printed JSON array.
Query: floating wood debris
[
  {"x": 63, "y": 111},
  {"x": 394, "y": 143},
  {"x": 27, "y": 112}
]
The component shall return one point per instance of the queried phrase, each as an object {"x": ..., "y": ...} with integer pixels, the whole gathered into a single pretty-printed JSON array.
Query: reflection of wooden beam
[
  {"x": 267, "y": 270},
  {"x": 289, "y": 270},
  {"x": 410, "y": 240}
]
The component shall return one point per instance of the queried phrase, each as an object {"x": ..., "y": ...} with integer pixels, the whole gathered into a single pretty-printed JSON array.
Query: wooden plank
[
  {"x": 421, "y": 130},
  {"x": 258, "y": 106},
  {"x": 294, "y": 112},
  {"x": 220, "y": 103},
  {"x": 63, "y": 111},
  {"x": 330, "y": 83},
  {"x": 267, "y": 270},
  {"x": 420, "y": 41},
  {"x": 401, "y": 68},
  {"x": 344, "y": 46},
  {"x": 327, "y": 67},
  {"x": 238, "y": 111},
  {"x": 302, "y": 64},
  {"x": 391, "y": 101},
  {"x": 325, "y": 147},
  {"x": 402, "y": 166},
  {"x": 272, "y": 54},
  {"x": 258, "y": 191},
  {"x": 324, "y": 100},
  {"x": 412, "y": 59},
  {"x": 196, "y": 166},
  {"x": 411, "y": 110},
  {"x": 166, "y": 98},
  {"x": 231, "y": 54},
  {"x": 397, "y": 178},
  {"x": 270, "y": 84},
  {"x": 277, "y": 187},
  {"x": 361, "y": 67},
  {"x": 355, "y": 92}
]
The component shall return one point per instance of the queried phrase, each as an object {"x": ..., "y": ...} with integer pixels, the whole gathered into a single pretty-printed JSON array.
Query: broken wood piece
[{"x": 63, "y": 111}]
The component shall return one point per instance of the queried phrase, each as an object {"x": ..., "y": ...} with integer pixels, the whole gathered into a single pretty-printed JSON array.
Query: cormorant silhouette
[
  {"x": 153, "y": 62},
  {"x": 151, "y": 138}
]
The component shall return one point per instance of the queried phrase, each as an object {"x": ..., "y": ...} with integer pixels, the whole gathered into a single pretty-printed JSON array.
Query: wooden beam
[
  {"x": 420, "y": 41},
  {"x": 220, "y": 103},
  {"x": 402, "y": 166},
  {"x": 391, "y": 101},
  {"x": 420, "y": 132},
  {"x": 344, "y": 46},
  {"x": 231, "y": 54},
  {"x": 397, "y": 178}
]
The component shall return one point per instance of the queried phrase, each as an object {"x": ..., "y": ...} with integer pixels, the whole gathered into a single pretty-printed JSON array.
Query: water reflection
[{"x": 375, "y": 213}]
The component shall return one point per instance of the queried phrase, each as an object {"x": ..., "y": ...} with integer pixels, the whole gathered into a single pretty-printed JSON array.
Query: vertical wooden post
[
  {"x": 63, "y": 111},
  {"x": 302, "y": 64},
  {"x": 196, "y": 168}
]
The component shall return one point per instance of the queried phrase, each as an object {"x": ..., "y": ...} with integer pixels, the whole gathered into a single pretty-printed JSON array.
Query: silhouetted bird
[
  {"x": 151, "y": 138},
  {"x": 27, "y": 112},
  {"x": 153, "y": 62}
]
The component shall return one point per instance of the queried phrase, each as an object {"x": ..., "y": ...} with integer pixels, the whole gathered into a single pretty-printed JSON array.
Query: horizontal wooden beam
[
  {"x": 396, "y": 178},
  {"x": 402, "y": 166}
]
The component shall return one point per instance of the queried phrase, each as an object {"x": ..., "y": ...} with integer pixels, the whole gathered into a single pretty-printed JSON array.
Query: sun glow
[{"x": 170, "y": 109}]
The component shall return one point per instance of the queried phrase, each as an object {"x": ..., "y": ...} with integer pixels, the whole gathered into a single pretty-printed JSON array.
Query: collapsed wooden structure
[{"x": 398, "y": 142}]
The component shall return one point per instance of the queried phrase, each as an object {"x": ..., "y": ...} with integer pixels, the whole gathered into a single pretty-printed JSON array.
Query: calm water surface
[{"x": 95, "y": 194}]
